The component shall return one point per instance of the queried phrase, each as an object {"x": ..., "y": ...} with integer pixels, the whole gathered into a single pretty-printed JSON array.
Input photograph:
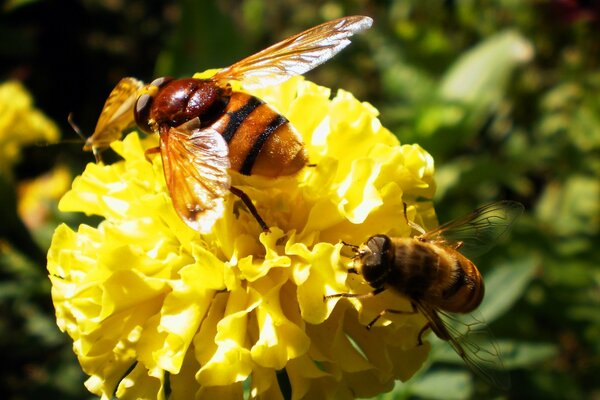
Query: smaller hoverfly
[{"x": 432, "y": 270}]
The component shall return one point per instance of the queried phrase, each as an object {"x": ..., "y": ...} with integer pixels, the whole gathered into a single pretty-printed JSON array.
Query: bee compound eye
[
  {"x": 160, "y": 82},
  {"x": 142, "y": 112},
  {"x": 379, "y": 244}
]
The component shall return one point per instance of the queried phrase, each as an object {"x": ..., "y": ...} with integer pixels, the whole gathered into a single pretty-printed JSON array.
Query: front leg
[
  {"x": 422, "y": 331},
  {"x": 383, "y": 312},
  {"x": 354, "y": 295}
]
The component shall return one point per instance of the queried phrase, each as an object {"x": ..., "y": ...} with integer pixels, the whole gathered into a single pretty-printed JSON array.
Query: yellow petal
[{"x": 149, "y": 301}]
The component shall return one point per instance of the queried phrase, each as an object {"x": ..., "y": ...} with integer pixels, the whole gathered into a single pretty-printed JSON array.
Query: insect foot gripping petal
[{"x": 246, "y": 200}]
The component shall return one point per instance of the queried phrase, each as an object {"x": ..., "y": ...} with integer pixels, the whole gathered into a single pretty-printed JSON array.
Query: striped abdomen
[
  {"x": 261, "y": 141},
  {"x": 437, "y": 275}
]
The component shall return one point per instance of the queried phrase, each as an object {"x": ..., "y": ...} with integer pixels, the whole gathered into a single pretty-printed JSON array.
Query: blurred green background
[{"x": 504, "y": 94}]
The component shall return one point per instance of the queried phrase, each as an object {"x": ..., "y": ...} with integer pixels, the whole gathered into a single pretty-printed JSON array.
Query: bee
[
  {"x": 432, "y": 270},
  {"x": 207, "y": 128},
  {"x": 116, "y": 116}
]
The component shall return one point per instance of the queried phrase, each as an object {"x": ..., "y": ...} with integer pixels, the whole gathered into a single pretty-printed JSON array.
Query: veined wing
[
  {"x": 116, "y": 116},
  {"x": 478, "y": 231},
  {"x": 295, "y": 55},
  {"x": 472, "y": 340},
  {"x": 195, "y": 162}
]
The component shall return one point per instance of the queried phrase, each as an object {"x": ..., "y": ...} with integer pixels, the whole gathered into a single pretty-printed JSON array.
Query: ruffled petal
[{"x": 154, "y": 307}]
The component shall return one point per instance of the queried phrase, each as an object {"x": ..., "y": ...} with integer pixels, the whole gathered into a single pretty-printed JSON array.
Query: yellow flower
[
  {"x": 154, "y": 308},
  {"x": 38, "y": 196},
  {"x": 20, "y": 124}
]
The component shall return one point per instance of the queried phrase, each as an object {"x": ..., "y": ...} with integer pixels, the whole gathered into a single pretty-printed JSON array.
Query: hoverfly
[
  {"x": 207, "y": 128},
  {"x": 434, "y": 273}
]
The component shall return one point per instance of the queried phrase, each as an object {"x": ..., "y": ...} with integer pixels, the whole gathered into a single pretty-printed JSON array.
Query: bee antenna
[
  {"x": 61, "y": 142},
  {"x": 75, "y": 127}
]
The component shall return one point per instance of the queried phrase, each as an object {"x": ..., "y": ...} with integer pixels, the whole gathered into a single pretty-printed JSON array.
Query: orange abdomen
[
  {"x": 261, "y": 141},
  {"x": 464, "y": 292},
  {"x": 435, "y": 274}
]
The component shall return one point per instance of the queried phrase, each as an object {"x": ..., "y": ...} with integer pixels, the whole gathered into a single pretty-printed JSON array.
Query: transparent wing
[
  {"x": 478, "y": 231},
  {"x": 116, "y": 116},
  {"x": 195, "y": 162},
  {"x": 295, "y": 55},
  {"x": 472, "y": 340}
]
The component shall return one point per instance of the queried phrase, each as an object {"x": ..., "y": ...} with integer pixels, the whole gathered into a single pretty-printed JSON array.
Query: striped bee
[
  {"x": 434, "y": 273},
  {"x": 207, "y": 128}
]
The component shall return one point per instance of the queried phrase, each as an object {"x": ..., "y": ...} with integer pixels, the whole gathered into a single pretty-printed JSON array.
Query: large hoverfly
[{"x": 206, "y": 128}]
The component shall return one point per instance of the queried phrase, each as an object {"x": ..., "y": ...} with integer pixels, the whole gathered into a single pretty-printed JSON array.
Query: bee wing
[
  {"x": 472, "y": 340},
  {"x": 195, "y": 161},
  {"x": 295, "y": 55},
  {"x": 116, "y": 116},
  {"x": 478, "y": 231}
]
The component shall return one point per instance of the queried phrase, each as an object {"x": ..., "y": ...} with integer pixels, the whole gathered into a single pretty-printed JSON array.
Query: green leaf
[
  {"x": 479, "y": 77},
  {"x": 505, "y": 284},
  {"x": 522, "y": 354},
  {"x": 572, "y": 207},
  {"x": 442, "y": 384},
  {"x": 11, "y": 5}
]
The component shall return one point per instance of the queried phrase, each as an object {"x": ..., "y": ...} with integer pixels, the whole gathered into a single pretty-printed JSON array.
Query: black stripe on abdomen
[
  {"x": 237, "y": 117},
  {"x": 459, "y": 283},
  {"x": 258, "y": 144}
]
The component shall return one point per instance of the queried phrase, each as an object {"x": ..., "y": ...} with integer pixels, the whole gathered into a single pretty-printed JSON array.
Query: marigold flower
[
  {"x": 20, "y": 124},
  {"x": 37, "y": 197},
  {"x": 156, "y": 309}
]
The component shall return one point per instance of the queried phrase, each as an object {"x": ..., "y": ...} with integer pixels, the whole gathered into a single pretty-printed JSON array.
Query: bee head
[
  {"x": 143, "y": 105},
  {"x": 374, "y": 260}
]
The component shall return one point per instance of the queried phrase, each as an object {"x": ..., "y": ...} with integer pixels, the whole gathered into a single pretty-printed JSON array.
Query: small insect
[
  {"x": 207, "y": 128},
  {"x": 438, "y": 279},
  {"x": 116, "y": 117}
]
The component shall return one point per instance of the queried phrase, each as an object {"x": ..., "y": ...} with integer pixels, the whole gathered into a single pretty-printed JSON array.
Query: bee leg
[
  {"x": 353, "y": 247},
  {"x": 383, "y": 312},
  {"x": 354, "y": 295},
  {"x": 150, "y": 151},
  {"x": 421, "y": 332},
  {"x": 246, "y": 200}
]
